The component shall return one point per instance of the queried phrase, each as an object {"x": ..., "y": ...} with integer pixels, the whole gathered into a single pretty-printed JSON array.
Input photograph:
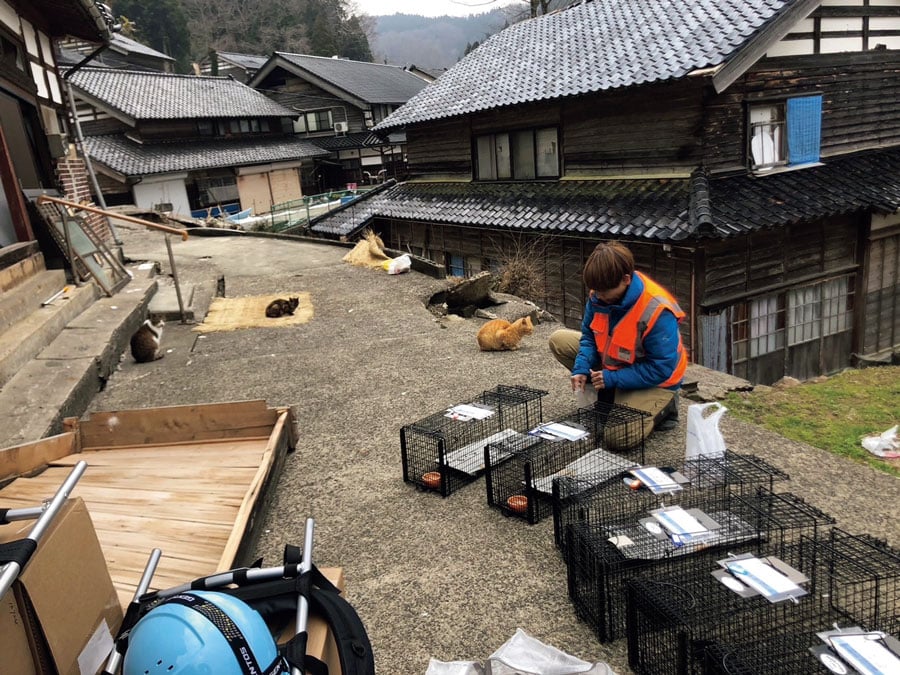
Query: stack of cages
[
  {"x": 519, "y": 472},
  {"x": 445, "y": 451},
  {"x": 672, "y": 617},
  {"x": 859, "y": 578},
  {"x": 612, "y": 532},
  {"x": 580, "y": 500}
]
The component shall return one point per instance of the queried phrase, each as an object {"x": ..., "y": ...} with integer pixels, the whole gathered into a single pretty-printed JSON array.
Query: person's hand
[
  {"x": 597, "y": 379},
  {"x": 578, "y": 382}
]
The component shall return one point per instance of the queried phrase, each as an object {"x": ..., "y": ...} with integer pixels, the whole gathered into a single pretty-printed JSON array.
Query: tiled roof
[
  {"x": 651, "y": 208},
  {"x": 359, "y": 139},
  {"x": 249, "y": 61},
  {"x": 370, "y": 82},
  {"x": 128, "y": 46},
  {"x": 161, "y": 96},
  {"x": 136, "y": 159},
  {"x": 861, "y": 182},
  {"x": 85, "y": 19},
  {"x": 658, "y": 209},
  {"x": 591, "y": 47}
]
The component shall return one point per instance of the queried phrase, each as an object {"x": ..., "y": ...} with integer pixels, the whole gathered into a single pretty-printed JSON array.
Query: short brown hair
[{"x": 607, "y": 265}]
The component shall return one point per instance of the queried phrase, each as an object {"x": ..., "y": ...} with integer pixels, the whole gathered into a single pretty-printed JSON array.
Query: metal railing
[{"x": 166, "y": 229}]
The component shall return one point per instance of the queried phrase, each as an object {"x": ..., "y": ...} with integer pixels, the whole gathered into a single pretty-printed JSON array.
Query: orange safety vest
[{"x": 625, "y": 344}]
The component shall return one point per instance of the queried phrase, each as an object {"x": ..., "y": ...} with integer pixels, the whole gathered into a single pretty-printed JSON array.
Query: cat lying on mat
[
  {"x": 500, "y": 335},
  {"x": 281, "y": 307}
]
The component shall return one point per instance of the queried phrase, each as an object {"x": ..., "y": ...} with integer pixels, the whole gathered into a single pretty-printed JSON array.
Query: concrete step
[
  {"x": 24, "y": 291},
  {"x": 29, "y": 333},
  {"x": 62, "y": 379}
]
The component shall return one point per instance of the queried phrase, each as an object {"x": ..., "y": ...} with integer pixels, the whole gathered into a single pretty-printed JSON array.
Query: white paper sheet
[
  {"x": 869, "y": 656},
  {"x": 763, "y": 578}
]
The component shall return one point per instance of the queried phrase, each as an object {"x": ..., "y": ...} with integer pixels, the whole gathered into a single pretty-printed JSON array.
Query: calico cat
[
  {"x": 500, "y": 334},
  {"x": 146, "y": 340},
  {"x": 281, "y": 307}
]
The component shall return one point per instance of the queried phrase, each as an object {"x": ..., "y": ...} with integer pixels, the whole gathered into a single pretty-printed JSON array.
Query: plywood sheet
[{"x": 194, "y": 500}]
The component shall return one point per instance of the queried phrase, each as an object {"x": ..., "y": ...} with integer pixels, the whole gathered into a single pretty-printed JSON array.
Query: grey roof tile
[
  {"x": 371, "y": 82},
  {"x": 590, "y": 47},
  {"x": 138, "y": 159},
  {"x": 162, "y": 96},
  {"x": 658, "y": 209}
]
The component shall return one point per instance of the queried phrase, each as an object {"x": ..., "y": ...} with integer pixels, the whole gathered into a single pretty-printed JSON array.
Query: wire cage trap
[
  {"x": 445, "y": 450},
  {"x": 519, "y": 472},
  {"x": 622, "y": 496},
  {"x": 603, "y": 554},
  {"x": 623, "y": 540},
  {"x": 671, "y": 618},
  {"x": 859, "y": 576}
]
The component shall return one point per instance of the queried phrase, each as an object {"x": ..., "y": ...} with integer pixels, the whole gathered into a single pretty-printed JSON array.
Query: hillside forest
[{"x": 187, "y": 30}]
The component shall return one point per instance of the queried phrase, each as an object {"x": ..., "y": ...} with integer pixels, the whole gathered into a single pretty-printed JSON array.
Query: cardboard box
[
  {"x": 14, "y": 647},
  {"x": 64, "y": 598}
]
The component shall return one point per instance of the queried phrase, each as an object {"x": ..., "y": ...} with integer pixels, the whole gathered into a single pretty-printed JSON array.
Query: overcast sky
[{"x": 429, "y": 7}]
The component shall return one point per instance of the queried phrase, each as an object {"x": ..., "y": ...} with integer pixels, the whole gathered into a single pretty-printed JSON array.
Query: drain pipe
[{"x": 79, "y": 137}]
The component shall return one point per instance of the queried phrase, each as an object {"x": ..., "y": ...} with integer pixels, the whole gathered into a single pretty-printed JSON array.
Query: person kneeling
[{"x": 629, "y": 347}]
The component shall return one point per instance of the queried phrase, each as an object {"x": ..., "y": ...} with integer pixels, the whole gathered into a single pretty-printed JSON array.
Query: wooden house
[
  {"x": 748, "y": 153},
  {"x": 122, "y": 52},
  {"x": 32, "y": 99},
  {"x": 241, "y": 67},
  {"x": 189, "y": 144},
  {"x": 339, "y": 102}
]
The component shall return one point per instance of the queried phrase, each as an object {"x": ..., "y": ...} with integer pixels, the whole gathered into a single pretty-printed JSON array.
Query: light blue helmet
[{"x": 202, "y": 633}]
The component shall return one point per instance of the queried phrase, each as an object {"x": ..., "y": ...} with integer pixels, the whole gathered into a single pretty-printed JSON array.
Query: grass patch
[{"x": 833, "y": 415}]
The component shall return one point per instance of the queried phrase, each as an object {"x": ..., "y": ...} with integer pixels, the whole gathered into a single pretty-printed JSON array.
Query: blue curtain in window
[{"x": 804, "y": 129}]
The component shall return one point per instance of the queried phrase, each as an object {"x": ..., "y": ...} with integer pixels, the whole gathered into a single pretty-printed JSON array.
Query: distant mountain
[{"x": 431, "y": 43}]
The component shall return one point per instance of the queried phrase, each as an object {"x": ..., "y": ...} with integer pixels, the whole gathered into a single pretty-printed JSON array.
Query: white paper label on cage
[
  {"x": 464, "y": 412},
  {"x": 620, "y": 540},
  {"x": 763, "y": 578},
  {"x": 655, "y": 479},
  {"x": 678, "y": 521},
  {"x": 558, "y": 431},
  {"x": 866, "y": 653}
]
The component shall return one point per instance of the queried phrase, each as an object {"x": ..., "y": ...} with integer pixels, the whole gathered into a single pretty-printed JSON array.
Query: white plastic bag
[
  {"x": 436, "y": 667},
  {"x": 703, "y": 435},
  {"x": 399, "y": 265},
  {"x": 525, "y": 655},
  {"x": 884, "y": 445}
]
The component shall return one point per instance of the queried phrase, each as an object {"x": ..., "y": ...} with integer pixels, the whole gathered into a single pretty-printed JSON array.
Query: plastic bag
[
  {"x": 703, "y": 435},
  {"x": 398, "y": 265},
  {"x": 884, "y": 445},
  {"x": 525, "y": 655},
  {"x": 436, "y": 667}
]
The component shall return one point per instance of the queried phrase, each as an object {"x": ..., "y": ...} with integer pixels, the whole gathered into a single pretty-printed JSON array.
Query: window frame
[
  {"x": 501, "y": 156},
  {"x": 800, "y": 130}
]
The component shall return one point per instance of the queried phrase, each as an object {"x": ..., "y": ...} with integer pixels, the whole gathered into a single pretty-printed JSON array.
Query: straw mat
[{"x": 250, "y": 312}]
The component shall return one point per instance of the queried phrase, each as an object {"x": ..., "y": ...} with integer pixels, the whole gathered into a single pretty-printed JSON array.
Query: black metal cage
[{"x": 445, "y": 451}]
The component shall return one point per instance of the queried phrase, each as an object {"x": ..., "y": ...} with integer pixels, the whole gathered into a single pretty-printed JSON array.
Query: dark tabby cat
[
  {"x": 281, "y": 307},
  {"x": 145, "y": 341}
]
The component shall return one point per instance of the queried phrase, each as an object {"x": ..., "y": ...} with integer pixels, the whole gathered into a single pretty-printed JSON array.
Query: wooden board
[
  {"x": 196, "y": 500},
  {"x": 176, "y": 424}
]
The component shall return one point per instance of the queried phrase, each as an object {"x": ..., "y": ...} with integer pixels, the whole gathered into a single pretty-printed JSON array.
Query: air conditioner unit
[{"x": 340, "y": 127}]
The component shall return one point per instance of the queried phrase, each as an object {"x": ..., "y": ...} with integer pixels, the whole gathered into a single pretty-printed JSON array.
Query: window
[
  {"x": 314, "y": 120},
  {"x": 786, "y": 133},
  {"x": 820, "y": 310},
  {"x": 757, "y": 327},
  {"x": 521, "y": 155}
]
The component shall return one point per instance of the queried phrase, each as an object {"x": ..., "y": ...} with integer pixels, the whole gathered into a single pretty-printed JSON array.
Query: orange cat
[{"x": 499, "y": 334}]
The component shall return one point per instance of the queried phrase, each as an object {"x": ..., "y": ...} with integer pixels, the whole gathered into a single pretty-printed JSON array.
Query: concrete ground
[{"x": 445, "y": 578}]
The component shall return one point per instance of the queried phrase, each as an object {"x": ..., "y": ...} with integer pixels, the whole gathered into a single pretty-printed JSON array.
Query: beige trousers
[{"x": 655, "y": 401}]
